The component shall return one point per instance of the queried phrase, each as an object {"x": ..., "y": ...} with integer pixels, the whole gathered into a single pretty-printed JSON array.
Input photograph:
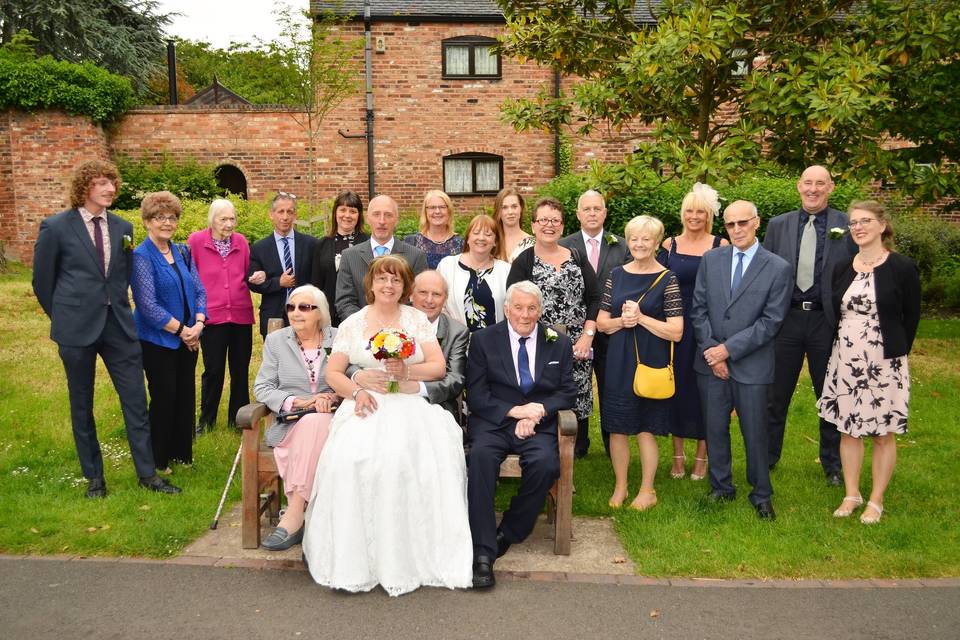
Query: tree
[
  {"x": 724, "y": 84},
  {"x": 122, "y": 36}
]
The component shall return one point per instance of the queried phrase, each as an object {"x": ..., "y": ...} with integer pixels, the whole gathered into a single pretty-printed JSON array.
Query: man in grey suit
[
  {"x": 381, "y": 216},
  {"x": 604, "y": 251},
  {"x": 81, "y": 272},
  {"x": 739, "y": 302},
  {"x": 430, "y": 295},
  {"x": 803, "y": 239}
]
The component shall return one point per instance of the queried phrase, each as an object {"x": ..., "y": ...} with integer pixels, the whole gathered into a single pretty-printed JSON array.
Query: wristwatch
[{"x": 590, "y": 332}]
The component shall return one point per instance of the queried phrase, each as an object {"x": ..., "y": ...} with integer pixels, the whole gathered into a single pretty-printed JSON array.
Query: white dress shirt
[
  {"x": 747, "y": 258},
  {"x": 531, "y": 346}
]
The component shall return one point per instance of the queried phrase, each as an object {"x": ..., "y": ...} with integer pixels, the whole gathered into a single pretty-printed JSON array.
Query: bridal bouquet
[{"x": 387, "y": 344}]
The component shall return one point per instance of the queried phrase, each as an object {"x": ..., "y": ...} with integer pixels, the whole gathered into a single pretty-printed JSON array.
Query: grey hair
[
  {"x": 319, "y": 299},
  {"x": 524, "y": 286},
  {"x": 216, "y": 207},
  {"x": 587, "y": 194},
  {"x": 753, "y": 207},
  {"x": 446, "y": 287}
]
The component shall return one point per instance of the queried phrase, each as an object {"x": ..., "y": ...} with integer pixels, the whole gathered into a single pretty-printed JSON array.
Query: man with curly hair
[{"x": 81, "y": 272}]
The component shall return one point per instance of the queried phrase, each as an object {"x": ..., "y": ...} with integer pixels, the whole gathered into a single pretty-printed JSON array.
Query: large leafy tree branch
[{"x": 825, "y": 79}]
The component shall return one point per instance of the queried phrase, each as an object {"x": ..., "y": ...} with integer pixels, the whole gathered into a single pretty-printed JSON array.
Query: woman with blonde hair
[
  {"x": 436, "y": 237},
  {"x": 682, "y": 254}
]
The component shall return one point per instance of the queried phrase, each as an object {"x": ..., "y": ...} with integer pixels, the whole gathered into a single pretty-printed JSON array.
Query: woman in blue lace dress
[{"x": 436, "y": 237}]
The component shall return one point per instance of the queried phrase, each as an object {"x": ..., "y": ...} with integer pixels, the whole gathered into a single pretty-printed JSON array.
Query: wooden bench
[{"x": 261, "y": 485}]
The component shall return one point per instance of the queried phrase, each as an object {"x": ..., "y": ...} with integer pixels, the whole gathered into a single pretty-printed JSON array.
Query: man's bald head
[
  {"x": 429, "y": 293},
  {"x": 381, "y": 217},
  {"x": 815, "y": 187}
]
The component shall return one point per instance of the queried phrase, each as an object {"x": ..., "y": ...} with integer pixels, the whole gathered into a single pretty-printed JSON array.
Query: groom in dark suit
[
  {"x": 281, "y": 261},
  {"x": 739, "y": 301},
  {"x": 81, "y": 272},
  {"x": 519, "y": 375}
]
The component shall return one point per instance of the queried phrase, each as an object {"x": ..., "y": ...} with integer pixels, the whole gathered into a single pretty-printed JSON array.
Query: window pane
[
  {"x": 485, "y": 61},
  {"x": 488, "y": 175},
  {"x": 458, "y": 60},
  {"x": 457, "y": 177}
]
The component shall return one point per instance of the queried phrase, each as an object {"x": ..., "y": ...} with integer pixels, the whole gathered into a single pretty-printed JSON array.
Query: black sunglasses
[{"x": 303, "y": 307}]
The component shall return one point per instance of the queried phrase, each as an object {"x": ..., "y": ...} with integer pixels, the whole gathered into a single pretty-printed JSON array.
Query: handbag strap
[{"x": 636, "y": 347}]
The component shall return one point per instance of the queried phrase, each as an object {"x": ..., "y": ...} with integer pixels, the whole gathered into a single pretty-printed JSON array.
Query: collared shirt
[
  {"x": 88, "y": 223},
  {"x": 293, "y": 256},
  {"x": 423, "y": 387},
  {"x": 531, "y": 346},
  {"x": 388, "y": 244},
  {"x": 586, "y": 242},
  {"x": 747, "y": 258},
  {"x": 820, "y": 226}
]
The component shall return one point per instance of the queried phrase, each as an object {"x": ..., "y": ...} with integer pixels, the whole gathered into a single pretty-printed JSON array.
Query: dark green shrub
[
  {"x": 186, "y": 179},
  {"x": 934, "y": 244}
]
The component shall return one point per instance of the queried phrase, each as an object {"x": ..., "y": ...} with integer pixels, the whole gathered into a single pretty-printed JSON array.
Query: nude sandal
[
  {"x": 697, "y": 476},
  {"x": 871, "y": 519},
  {"x": 844, "y": 512},
  {"x": 681, "y": 474}
]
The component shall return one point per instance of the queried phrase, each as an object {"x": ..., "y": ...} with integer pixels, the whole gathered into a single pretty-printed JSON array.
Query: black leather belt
[{"x": 806, "y": 306}]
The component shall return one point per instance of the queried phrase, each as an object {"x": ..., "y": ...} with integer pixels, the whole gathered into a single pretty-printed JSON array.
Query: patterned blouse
[
  {"x": 478, "y": 305},
  {"x": 436, "y": 251}
]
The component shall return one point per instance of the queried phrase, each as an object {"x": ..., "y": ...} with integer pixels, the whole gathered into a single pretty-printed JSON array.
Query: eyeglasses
[
  {"x": 550, "y": 222},
  {"x": 165, "y": 219},
  {"x": 733, "y": 224},
  {"x": 862, "y": 222},
  {"x": 437, "y": 207},
  {"x": 387, "y": 279},
  {"x": 303, "y": 307}
]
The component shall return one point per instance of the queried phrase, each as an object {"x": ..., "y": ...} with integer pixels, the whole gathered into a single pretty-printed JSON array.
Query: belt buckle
[{"x": 806, "y": 305}]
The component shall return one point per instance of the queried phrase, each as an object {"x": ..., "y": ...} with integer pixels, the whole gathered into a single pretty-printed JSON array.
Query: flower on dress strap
[
  {"x": 837, "y": 232},
  {"x": 551, "y": 335}
]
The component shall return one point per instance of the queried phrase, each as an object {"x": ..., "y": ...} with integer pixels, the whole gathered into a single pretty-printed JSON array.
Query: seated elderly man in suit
[
  {"x": 429, "y": 295},
  {"x": 519, "y": 375},
  {"x": 381, "y": 216},
  {"x": 739, "y": 301}
]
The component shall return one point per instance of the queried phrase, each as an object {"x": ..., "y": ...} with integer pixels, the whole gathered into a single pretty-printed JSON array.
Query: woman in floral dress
[
  {"x": 436, "y": 237},
  {"x": 867, "y": 388}
]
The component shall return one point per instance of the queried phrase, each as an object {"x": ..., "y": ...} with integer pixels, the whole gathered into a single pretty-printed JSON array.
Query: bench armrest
[
  {"x": 251, "y": 414},
  {"x": 566, "y": 423}
]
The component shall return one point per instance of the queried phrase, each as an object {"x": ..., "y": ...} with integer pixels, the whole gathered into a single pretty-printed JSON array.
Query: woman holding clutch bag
[{"x": 642, "y": 312}]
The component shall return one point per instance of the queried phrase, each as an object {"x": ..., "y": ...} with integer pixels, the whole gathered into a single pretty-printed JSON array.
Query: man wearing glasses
[
  {"x": 739, "y": 302},
  {"x": 280, "y": 261},
  {"x": 807, "y": 240}
]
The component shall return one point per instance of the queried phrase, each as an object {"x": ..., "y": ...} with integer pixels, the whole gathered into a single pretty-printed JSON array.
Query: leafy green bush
[
  {"x": 31, "y": 83},
  {"x": 652, "y": 196},
  {"x": 186, "y": 179},
  {"x": 934, "y": 244}
]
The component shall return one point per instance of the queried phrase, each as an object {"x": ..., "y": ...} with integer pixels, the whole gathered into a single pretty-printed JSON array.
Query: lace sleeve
[
  {"x": 672, "y": 302},
  {"x": 348, "y": 329},
  {"x": 606, "y": 300}
]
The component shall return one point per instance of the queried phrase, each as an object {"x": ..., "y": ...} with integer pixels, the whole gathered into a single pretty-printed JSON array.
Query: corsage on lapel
[
  {"x": 612, "y": 239},
  {"x": 550, "y": 335},
  {"x": 127, "y": 243},
  {"x": 837, "y": 232}
]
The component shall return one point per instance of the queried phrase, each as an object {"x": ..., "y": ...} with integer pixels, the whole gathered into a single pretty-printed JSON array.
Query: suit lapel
[
  {"x": 295, "y": 351},
  {"x": 833, "y": 220},
  {"x": 757, "y": 264},
  {"x": 725, "y": 272},
  {"x": 76, "y": 222},
  {"x": 116, "y": 242},
  {"x": 542, "y": 355},
  {"x": 605, "y": 251},
  {"x": 366, "y": 252},
  {"x": 793, "y": 231},
  {"x": 505, "y": 352},
  {"x": 443, "y": 329}
]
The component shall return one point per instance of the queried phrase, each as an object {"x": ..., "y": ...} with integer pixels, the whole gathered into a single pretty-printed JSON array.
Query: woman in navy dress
[
  {"x": 682, "y": 255},
  {"x": 436, "y": 237},
  {"x": 638, "y": 331}
]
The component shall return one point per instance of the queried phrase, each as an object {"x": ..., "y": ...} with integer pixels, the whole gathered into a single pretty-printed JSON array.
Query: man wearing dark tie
[
  {"x": 739, "y": 301},
  {"x": 604, "y": 251},
  {"x": 381, "y": 216},
  {"x": 803, "y": 238},
  {"x": 519, "y": 375},
  {"x": 81, "y": 272},
  {"x": 279, "y": 261}
]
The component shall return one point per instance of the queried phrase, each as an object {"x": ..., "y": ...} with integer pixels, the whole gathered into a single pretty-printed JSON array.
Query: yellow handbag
[{"x": 648, "y": 382}]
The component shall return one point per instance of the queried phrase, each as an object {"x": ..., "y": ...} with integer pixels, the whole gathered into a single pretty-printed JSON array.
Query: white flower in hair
[{"x": 707, "y": 194}]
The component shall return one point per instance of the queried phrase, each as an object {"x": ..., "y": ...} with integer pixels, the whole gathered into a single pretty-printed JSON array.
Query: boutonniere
[
  {"x": 551, "y": 335},
  {"x": 127, "y": 243},
  {"x": 837, "y": 232},
  {"x": 612, "y": 239}
]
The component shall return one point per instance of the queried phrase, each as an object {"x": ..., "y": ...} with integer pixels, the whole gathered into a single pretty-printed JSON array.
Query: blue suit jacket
[
  {"x": 492, "y": 387},
  {"x": 746, "y": 322},
  {"x": 158, "y": 294}
]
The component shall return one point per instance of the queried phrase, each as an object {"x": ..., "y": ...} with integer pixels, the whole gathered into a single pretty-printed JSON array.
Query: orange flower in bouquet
[{"x": 389, "y": 344}]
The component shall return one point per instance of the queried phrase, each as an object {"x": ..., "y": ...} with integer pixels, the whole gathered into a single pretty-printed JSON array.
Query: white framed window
[{"x": 472, "y": 174}]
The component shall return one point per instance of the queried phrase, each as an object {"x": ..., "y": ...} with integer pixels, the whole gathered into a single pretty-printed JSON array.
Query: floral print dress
[
  {"x": 864, "y": 394},
  {"x": 564, "y": 304}
]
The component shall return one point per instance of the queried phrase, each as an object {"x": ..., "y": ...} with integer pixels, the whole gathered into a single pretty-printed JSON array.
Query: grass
[{"x": 43, "y": 511}]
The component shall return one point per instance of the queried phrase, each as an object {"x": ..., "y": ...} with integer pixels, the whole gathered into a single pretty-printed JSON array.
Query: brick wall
[{"x": 37, "y": 155}]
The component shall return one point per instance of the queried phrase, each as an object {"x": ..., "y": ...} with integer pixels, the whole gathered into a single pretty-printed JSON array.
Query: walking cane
[{"x": 226, "y": 489}]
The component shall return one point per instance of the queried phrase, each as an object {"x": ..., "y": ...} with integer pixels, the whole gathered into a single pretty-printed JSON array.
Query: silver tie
[{"x": 808, "y": 256}]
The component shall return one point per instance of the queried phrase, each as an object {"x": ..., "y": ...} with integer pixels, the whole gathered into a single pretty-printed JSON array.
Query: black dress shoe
[
  {"x": 96, "y": 488},
  {"x": 503, "y": 545},
  {"x": 158, "y": 484},
  {"x": 765, "y": 510},
  {"x": 483, "y": 573},
  {"x": 834, "y": 479},
  {"x": 280, "y": 540},
  {"x": 719, "y": 496}
]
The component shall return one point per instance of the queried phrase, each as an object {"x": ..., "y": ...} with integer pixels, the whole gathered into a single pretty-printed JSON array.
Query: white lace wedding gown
[{"x": 389, "y": 503}]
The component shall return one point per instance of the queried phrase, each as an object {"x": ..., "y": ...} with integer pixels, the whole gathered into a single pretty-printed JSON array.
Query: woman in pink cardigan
[{"x": 222, "y": 258}]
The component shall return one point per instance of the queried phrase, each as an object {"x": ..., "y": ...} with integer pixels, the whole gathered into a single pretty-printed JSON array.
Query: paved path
[{"x": 58, "y": 598}]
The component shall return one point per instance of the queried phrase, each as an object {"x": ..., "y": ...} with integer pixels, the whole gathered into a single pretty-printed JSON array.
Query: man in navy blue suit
[{"x": 519, "y": 375}]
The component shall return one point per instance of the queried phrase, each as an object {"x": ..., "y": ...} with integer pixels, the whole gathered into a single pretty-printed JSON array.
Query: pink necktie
[{"x": 595, "y": 254}]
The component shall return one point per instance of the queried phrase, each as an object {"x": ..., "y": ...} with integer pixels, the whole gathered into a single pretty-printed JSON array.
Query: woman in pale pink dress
[{"x": 291, "y": 377}]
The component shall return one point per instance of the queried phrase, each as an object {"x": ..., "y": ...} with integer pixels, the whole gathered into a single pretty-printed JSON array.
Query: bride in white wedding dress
[{"x": 389, "y": 502}]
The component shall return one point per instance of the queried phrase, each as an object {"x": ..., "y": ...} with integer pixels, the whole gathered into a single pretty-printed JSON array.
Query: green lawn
[{"x": 43, "y": 511}]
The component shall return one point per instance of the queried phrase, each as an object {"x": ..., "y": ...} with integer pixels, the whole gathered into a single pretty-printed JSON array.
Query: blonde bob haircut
[
  {"x": 705, "y": 197},
  {"x": 641, "y": 224},
  {"x": 319, "y": 299},
  {"x": 436, "y": 193},
  {"x": 483, "y": 221}
]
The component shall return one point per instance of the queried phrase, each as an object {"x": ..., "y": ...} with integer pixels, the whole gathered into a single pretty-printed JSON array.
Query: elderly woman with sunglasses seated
[{"x": 291, "y": 378}]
